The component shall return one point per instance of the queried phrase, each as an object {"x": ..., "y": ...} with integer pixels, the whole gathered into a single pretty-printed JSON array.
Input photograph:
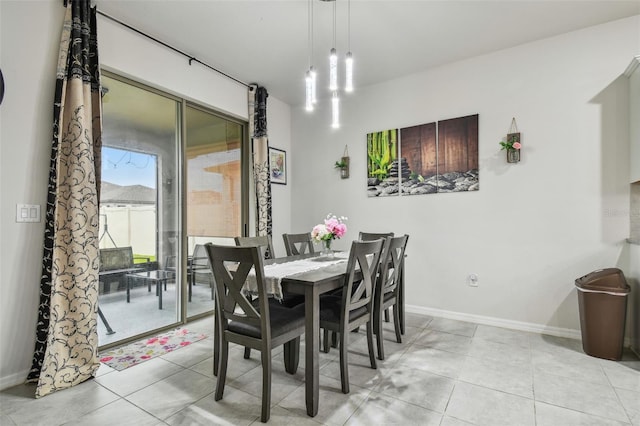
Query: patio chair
[{"x": 200, "y": 269}]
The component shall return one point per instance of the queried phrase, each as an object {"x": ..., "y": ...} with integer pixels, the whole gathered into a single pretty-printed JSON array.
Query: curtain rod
[{"x": 168, "y": 46}]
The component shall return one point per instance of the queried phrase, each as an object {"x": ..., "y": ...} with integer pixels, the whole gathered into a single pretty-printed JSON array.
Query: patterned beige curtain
[
  {"x": 260, "y": 149},
  {"x": 66, "y": 337}
]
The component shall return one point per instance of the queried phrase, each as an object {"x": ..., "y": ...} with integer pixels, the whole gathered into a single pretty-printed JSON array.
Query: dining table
[
  {"x": 327, "y": 276},
  {"x": 312, "y": 284}
]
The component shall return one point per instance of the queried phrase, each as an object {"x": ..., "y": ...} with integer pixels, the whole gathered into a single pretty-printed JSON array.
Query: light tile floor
[{"x": 446, "y": 373}]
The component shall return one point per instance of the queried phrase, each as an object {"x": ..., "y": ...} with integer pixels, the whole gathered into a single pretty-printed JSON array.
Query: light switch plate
[{"x": 27, "y": 212}]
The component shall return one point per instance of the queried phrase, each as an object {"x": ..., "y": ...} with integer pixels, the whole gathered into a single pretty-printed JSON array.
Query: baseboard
[
  {"x": 497, "y": 322},
  {"x": 13, "y": 379}
]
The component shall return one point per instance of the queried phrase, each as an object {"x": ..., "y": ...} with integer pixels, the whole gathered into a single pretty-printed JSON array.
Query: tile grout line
[{"x": 626, "y": 412}]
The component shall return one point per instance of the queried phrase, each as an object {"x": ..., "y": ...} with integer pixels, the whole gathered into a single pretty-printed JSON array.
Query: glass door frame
[
  {"x": 180, "y": 314},
  {"x": 245, "y": 152},
  {"x": 181, "y": 170}
]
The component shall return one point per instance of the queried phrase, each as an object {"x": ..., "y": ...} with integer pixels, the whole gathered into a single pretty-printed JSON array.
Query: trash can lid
[{"x": 610, "y": 280}]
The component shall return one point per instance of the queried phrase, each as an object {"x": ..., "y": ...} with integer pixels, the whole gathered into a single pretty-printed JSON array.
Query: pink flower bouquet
[{"x": 332, "y": 228}]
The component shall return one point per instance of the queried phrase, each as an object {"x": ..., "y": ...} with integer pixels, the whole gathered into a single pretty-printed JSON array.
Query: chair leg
[
  {"x": 372, "y": 353},
  {"x": 325, "y": 341},
  {"x": 386, "y": 315},
  {"x": 396, "y": 323},
  {"x": 216, "y": 346},
  {"x": 222, "y": 369},
  {"x": 247, "y": 353},
  {"x": 213, "y": 290},
  {"x": 379, "y": 334},
  {"x": 266, "y": 386},
  {"x": 292, "y": 355},
  {"x": 344, "y": 364},
  {"x": 334, "y": 339}
]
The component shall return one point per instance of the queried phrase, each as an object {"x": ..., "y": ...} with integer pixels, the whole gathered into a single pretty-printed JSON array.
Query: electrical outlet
[{"x": 472, "y": 280}]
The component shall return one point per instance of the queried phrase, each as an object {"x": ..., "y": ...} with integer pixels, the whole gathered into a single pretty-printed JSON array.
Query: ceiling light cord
[
  {"x": 349, "y": 26},
  {"x": 309, "y": 79}
]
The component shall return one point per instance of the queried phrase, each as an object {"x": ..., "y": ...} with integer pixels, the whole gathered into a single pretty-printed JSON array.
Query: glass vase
[
  {"x": 326, "y": 249},
  {"x": 513, "y": 155}
]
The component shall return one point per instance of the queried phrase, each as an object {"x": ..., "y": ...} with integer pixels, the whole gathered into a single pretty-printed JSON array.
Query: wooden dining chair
[
  {"x": 258, "y": 324},
  {"x": 296, "y": 244},
  {"x": 388, "y": 288},
  {"x": 354, "y": 307},
  {"x": 266, "y": 245},
  {"x": 370, "y": 236},
  {"x": 264, "y": 242}
]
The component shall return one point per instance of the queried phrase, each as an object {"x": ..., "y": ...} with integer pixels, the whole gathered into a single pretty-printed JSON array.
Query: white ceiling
[{"x": 265, "y": 41}]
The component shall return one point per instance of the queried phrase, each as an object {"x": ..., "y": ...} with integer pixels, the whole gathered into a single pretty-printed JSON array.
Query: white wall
[
  {"x": 30, "y": 34},
  {"x": 279, "y": 128},
  {"x": 533, "y": 227}
]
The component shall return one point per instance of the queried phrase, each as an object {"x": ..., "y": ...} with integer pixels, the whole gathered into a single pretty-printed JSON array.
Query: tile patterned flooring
[{"x": 446, "y": 373}]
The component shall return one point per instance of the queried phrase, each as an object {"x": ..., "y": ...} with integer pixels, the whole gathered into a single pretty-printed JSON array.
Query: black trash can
[{"x": 602, "y": 300}]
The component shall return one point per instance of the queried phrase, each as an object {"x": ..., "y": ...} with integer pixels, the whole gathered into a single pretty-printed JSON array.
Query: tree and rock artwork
[{"x": 420, "y": 160}]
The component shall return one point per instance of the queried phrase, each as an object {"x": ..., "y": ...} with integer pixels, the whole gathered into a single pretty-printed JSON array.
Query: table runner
[{"x": 274, "y": 273}]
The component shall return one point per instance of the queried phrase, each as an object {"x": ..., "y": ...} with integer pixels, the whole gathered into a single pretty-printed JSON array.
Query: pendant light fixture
[
  {"x": 308, "y": 87},
  {"x": 310, "y": 75},
  {"x": 348, "y": 79},
  {"x": 333, "y": 57},
  {"x": 333, "y": 77},
  {"x": 335, "y": 111},
  {"x": 312, "y": 71},
  {"x": 314, "y": 78}
]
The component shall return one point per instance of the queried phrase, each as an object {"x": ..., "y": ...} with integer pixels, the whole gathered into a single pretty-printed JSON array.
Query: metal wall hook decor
[
  {"x": 512, "y": 143},
  {"x": 343, "y": 164}
]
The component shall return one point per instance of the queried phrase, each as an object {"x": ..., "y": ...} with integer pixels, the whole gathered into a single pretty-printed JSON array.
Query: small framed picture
[{"x": 278, "y": 166}]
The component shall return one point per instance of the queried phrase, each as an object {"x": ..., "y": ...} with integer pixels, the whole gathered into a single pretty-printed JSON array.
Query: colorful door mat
[{"x": 144, "y": 350}]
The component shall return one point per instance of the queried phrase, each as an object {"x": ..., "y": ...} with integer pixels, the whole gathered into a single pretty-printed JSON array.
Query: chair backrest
[
  {"x": 231, "y": 267},
  {"x": 298, "y": 243},
  {"x": 391, "y": 266},
  {"x": 360, "y": 278},
  {"x": 170, "y": 262},
  {"x": 200, "y": 260},
  {"x": 370, "y": 236},
  {"x": 264, "y": 242},
  {"x": 116, "y": 258}
]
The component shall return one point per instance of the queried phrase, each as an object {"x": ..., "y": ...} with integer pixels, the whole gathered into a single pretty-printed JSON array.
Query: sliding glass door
[
  {"x": 139, "y": 210},
  {"x": 213, "y": 155},
  {"x": 172, "y": 181}
]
